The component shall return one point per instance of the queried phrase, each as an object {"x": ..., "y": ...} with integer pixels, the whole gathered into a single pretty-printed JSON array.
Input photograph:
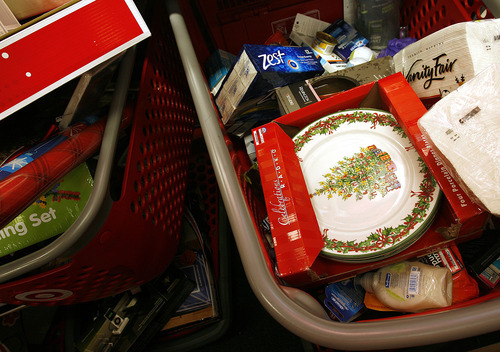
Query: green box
[{"x": 51, "y": 214}]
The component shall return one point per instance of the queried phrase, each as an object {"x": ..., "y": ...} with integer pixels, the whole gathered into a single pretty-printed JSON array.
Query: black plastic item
[
  {"x": 480, "y": 256},
  {"x": 216, "y": 330},
  {"x": 473, "y": 249}
]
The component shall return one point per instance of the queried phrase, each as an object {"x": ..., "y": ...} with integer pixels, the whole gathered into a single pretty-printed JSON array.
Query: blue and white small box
[
  {"x": 349, "y": 39},
  {"x": 260, "y": 68},
  {"x": 344, "y": 300}
]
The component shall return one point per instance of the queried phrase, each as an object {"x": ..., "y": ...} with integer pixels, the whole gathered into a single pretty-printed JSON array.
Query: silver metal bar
[{"x": 293, "y": 309}]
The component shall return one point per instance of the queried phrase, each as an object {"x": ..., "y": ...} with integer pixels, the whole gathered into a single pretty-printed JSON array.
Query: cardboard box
[
  {"x": 64, "y": 51},
  {"x": 304, "y": 34},
  {"x": 259, "y": 69},
  {"x": 193, "y": 259},
  {"x": 349, "y": 39},
  {"x": 51, "y": 214},
  {"x": 296, "y": 235},
  {"x": 298, "y": 95},
  {"x": 216, "y": 68}
]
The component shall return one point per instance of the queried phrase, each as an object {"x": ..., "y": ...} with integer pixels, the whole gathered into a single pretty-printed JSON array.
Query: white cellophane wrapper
[{"x": 463, "y": 129}]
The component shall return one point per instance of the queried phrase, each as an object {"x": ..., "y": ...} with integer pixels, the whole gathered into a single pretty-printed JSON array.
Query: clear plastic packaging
[
  {"x": 378, "y": 21},
  {"x": 410, "y": 286},
  {"x": 463, "y": 130}
]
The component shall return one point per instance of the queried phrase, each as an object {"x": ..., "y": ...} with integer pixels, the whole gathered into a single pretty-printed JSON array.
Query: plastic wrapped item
[
  {"x": 463, "y": 130},
  {"x": 464, "y": 286},
  {"x": 361, "y": 55},
  {"x": 344, "y": 300},
  {"x": 395, "y": 46},
  {"x": 347, "y": 37},
  {"x": 378, "y": 21},
  {"x": 410, "y": 286},
  {"x": 444, "y": 60},
  {"x": 51, "y": 214}
]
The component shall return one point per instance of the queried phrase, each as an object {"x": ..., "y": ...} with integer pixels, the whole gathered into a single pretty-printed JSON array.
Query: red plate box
[{"x": 296, "y": 236}]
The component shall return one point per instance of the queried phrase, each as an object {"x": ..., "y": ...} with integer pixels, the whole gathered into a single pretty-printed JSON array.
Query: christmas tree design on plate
[{"x": 367, "y": 173}]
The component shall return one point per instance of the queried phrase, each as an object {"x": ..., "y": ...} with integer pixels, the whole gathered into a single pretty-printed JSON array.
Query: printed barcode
[{"x": 413, "y": 281}]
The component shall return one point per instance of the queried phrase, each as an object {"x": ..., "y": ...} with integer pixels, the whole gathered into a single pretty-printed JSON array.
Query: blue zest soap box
[{"x": 260, "y": 68}]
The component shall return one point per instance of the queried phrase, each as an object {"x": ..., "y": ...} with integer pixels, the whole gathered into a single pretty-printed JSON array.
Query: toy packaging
[{"x": 50, "y": 215}]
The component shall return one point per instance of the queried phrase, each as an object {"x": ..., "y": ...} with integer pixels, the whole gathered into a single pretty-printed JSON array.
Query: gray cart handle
[{"x": 291, "y": 307}]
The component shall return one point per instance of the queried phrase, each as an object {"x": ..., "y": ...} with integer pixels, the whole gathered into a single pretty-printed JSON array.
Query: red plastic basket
[
  {"x": 295, "y": 309},
  {"x": 425, "y": 17},
  {"x": 139, "y": 237}
]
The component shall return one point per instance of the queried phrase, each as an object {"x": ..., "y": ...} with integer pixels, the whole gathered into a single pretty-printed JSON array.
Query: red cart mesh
[{"x": 425, "y": 17}]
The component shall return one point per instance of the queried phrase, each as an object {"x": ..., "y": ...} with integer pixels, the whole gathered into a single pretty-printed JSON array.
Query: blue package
[
  {"x": 347, "y": 37},
  {"x": 259, "y": 69},
  {"x": 30, "y": 155},
  {"x": 217, "y": 66},
  {"x": 344, "y": 300},
  {"x": 43, "y": 147}
]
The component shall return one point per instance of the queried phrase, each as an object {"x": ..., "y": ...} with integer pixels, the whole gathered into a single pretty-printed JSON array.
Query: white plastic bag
[{"x": 463, "y": 129}]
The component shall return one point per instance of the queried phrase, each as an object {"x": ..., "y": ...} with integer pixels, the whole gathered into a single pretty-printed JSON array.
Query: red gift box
[{"x": 296, "y": 236}]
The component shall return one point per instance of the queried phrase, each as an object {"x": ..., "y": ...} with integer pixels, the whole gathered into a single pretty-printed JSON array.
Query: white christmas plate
[{"x": 372, "y": 194}]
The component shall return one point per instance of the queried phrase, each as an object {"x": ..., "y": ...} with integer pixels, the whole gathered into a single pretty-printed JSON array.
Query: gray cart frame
[{"x": 293, "y": 308}]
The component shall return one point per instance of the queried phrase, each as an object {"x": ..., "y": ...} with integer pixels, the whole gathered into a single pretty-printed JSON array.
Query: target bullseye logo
[{"x": 44, "y": 295}]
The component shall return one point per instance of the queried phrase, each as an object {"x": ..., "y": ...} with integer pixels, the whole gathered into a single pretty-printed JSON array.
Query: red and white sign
[{"x": 62, "y": 46}]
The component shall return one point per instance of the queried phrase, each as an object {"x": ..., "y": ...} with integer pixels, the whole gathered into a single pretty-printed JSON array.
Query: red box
[{"x": 296, "y": 236}]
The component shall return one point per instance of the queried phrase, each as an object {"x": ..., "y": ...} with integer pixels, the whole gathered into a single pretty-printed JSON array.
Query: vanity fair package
[
  {"x": 440, "y": 62},
  {"x": 463, "y": 129}
]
